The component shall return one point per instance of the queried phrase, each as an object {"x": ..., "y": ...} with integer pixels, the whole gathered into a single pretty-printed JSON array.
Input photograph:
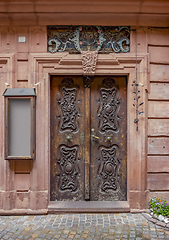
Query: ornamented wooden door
[{"x": 88, "y": 138}]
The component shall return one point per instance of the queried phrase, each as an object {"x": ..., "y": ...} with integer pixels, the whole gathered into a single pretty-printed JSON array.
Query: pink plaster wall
[{"x": 17, "y": 69}]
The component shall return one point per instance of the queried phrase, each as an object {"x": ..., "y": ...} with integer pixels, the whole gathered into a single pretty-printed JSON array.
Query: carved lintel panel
[
  {"x": 89, "y": 60},
  {"x": 109, "y": 169},
  {"x": 68, "y": 168},
  {"x": 68, "y": 104},
  {"x": 87, "y": 81},
  {"x": 109, "y": 108},
  {"x": 74, "y": 39}
]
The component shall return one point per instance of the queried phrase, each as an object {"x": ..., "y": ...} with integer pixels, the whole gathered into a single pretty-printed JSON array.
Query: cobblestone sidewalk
[{"x": 80, "y": 226}]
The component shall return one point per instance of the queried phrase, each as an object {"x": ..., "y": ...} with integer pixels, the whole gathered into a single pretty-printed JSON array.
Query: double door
[{"x": 88, "y": 138}]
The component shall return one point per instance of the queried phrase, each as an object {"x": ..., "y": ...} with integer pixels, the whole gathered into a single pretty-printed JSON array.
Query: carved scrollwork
[
  {"x": 68, "y": 104},
  {"x": 68, "y": 168},
  {"x": 89, "y": 59},
  {"x": 109, "y": 108},
  {"x": 109, "y": 168},
  {"x": 75, "y": 39}
]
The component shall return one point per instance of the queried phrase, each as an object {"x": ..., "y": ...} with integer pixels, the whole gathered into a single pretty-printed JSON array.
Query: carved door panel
[
  {"x": 88, "y": 138},
  {"x": 108, "y": 165},
  {"x": 67, "y": 138}
]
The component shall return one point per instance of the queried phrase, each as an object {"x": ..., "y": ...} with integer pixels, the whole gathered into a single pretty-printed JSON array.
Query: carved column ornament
[
  {"x": 89, "y": 60},
  {"x": 87, "y": 81}
]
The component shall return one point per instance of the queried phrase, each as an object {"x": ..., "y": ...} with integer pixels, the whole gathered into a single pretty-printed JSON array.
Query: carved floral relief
[
  {"x": 110, "y": 104},
  {"x": 68, "y": 105},
  {"x": 109, "y": 168},
  {"x": 68, "y": 168}
]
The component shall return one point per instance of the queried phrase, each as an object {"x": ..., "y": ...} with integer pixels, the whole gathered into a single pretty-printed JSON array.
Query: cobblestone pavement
[{"x": 80, "y": 226}]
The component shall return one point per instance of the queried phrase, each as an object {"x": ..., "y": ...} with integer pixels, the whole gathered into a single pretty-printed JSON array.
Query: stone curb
[
  {"x": 23, "y": 212},
  {"x": 156, "y": 221}
]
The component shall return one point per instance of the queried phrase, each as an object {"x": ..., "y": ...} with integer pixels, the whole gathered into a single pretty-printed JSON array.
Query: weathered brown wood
[
  {"x": 158, "y": 127},
  {"x": 108, "y": 170},
  {"x": 158, "y": 109},
  {"x": 158, "y": 181},
  {"x": 158, "y": 145},
  {"x": 159, "y": 91},
  {"x": 23, "y": 166},
  {"x": 159, "y": 73},
  {"x": 159, "y": 54},
  {"x": 67, "y": 124},
  {"x": 87, "y": 135},
  {"x": 158, "y": 164},
  {"x": 89, "y": 183}
]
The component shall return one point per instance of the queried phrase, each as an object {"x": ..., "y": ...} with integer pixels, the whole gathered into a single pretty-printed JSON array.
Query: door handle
[{"x": 93, "y": 136}]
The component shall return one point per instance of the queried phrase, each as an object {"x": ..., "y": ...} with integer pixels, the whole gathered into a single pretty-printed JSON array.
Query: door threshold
[{"x": 88, "y": 206}]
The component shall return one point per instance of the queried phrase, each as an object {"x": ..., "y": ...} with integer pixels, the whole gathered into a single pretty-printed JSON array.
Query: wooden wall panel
[
  {"x": 158, "y": 127},
  {"x": 158, "y": 36},
  {"x": 159, "y": 73},
  {"x": 159, "y": 54},
  {"x": 158, "y": 181},
  {"x": 158, "y": 164},
  {"x": 24, "y": 166},
  {"x": 158, "y": 109},
  {"x": 158, "y": 146},
  {"x": 159, "y": 91}
]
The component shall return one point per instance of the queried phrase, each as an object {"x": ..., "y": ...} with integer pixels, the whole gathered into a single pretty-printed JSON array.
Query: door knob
[
  {"x": 69, "y": 137},
  {"x": 108, "y": 138}
]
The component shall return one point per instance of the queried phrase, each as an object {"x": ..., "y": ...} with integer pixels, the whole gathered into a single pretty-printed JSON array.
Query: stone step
[{"x": 88, "y": 206}]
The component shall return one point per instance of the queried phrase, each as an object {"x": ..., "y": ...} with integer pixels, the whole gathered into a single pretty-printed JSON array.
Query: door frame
[
  {"x": 46, "y": 64},
  {"x": 84, "y": 186}
]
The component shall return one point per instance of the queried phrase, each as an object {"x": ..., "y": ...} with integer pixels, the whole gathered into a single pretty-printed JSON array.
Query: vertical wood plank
[
  {"x": 87, "y": 137},
  {"x": 67, "y": 153},
  {"x": 87, "y": 141}
]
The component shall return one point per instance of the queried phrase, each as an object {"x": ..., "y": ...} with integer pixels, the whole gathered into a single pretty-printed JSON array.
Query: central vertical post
[{"x": 87, "y": 83}]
